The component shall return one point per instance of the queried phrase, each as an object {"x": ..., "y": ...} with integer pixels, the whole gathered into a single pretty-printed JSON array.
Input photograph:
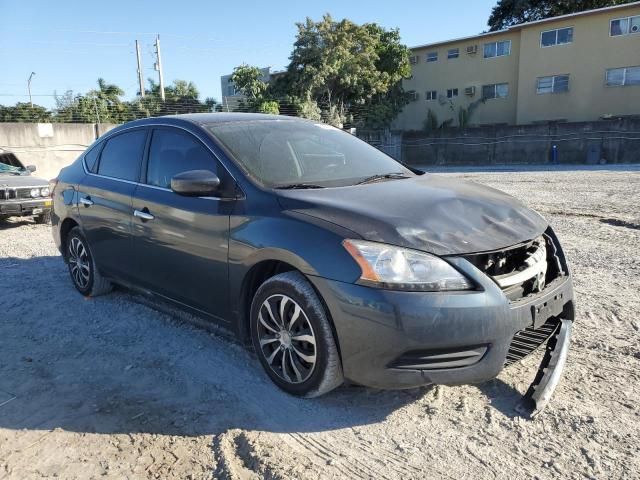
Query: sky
[{"x": 70, "y": 43}]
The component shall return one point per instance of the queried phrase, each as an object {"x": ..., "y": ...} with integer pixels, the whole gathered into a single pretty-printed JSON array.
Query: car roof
[
  {"x": 202, "y": 119},
  {"x": 224, "y": 117}
]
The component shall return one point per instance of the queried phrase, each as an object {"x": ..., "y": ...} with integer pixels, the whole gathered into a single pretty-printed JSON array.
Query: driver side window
[{"x": 172, "y": 152}]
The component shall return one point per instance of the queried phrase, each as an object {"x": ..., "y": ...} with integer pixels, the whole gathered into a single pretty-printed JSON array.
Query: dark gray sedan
[{"x": 332, "y": 259}]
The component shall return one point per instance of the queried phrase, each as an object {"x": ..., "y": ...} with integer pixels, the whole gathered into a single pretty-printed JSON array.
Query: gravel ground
[{"x": 117, "y": 387}]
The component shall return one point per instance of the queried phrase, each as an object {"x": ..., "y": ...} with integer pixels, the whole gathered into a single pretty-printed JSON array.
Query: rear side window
[
  {"x": 173, "y": 152},
  {"x": 91, "y": 158},
  {"x": 122, "y": 155}
]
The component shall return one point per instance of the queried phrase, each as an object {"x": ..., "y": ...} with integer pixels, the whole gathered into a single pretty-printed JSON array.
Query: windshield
[
  {"x": 281, "y": 153},
  {"x": 10, "y": 169}
]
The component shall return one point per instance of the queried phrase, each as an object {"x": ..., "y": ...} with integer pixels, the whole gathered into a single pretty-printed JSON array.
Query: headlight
[
  {"x": 44, "y": 191},
  {"x": 35, "y": 192},
  {"x": 398, "y": 268}
]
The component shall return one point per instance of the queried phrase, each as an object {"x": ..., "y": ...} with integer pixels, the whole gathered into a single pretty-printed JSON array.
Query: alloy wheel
[
  {"x": 287, "y": 340},
  {"x": 79, "y": 263}
]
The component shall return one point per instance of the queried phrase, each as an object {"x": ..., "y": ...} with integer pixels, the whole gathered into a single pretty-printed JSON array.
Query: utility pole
[
  {"x": 29, "y": 87},
  {"x": 158, "y": 67},
  {"x": 140, "y": 79}
]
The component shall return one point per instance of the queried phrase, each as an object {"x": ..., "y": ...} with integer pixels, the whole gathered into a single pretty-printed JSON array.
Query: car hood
[
  {"x": 12, "y": 181},
  {"x": 432, "y": 213}
]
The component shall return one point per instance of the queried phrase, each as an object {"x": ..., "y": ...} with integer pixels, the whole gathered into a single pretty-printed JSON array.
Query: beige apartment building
[{"x": 579, "y": 67}]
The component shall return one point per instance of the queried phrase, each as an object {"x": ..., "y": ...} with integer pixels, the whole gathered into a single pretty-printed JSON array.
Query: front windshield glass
[
  {"x": 281, "y": 153},
  {"x": 10, "y": 169}
]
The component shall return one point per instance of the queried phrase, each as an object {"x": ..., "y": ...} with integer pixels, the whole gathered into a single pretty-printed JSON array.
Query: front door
[{"x": 181, "y": 243}]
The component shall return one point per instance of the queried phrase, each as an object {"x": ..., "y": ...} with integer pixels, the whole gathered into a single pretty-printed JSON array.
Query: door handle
[
  {"x": 143, "y": 215},
  {"x": 86, "y": 201}
]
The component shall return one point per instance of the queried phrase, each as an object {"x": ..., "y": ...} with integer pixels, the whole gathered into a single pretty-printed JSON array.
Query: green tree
[
  {"x": 24, "y": 112},
  {"x": 248, "y": 81},
  {"x": 513, "y": 12},
  {"x": 259, "y": 98},
  {"x": 349, "y": 70}
]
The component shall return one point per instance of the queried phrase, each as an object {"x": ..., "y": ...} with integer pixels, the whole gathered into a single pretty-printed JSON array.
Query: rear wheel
[
  {"x": 293, "y": 338},
  {"x": 82, "y": 267}
]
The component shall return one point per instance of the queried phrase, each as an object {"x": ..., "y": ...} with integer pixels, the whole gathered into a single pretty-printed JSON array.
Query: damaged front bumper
[
  {"x": 393, "y": 339},
  {"x": 549, "y": 372}
]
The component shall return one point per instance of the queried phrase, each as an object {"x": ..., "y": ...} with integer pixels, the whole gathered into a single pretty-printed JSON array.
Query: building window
[
  {"x": 496, "y": 90},
  {"x": 432, "y": 57},
  {"x": 453, "y": 53},
  {"x": 625, "y": 26},
  {"x": 431, "y": 95},
  {"x": 623, "y": 77},
  {"x": 497, "y": 49},
  {"x": 452, "y": 93},
  {"x": 561, "y": 36},
  {"x": 553, "y": 84}
]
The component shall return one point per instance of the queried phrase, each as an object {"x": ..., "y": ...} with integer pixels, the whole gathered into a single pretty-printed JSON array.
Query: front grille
[
  {"x": 524, "y": 269},
  {"x": 15, "y": 193},
  {"x": 440, "y": 359},
  {"x": 23, "y": 193},
  {"x": 526, "y": 341}
]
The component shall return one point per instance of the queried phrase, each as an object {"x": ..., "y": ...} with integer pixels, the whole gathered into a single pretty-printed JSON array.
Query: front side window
[
  {"x": 498, "y": 90},
  {"x": 172, "y": 152},
  {"x": 431, "y": 95},
  {"x": 284, "y": 153},
  {"x": 122, "y": 155},
  {"x": 561, "y": 36},
  {"x": 452, "y": 93},
  {"x": 625, "y": 26},
  {"x": 553, "y": 84},
  {"x": 622, "y": 77},
  {"x": 432, "y": 57},
  {"x": 453, "y": 53},
  {"x": 497, "y": 49}
]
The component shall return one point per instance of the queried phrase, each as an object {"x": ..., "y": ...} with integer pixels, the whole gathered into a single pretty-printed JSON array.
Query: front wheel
[
  {"x": 293, "y": 338},
  {"x": 82, "y": 267}
]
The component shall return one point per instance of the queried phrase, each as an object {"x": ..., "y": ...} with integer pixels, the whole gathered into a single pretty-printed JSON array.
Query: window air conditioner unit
[
  {"x": 413, "y": 59},
  {"x": 472, "y": 49},
  {"x": 470, "y": 91}
]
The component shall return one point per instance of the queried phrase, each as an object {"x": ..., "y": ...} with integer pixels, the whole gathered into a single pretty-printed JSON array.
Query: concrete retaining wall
[
  {"x": 49, "y": 146},
  {"x": 610, "y": 141}
]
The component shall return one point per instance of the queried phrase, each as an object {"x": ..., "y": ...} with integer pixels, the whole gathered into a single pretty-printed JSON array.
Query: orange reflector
[{"x": 367, "y": 272}]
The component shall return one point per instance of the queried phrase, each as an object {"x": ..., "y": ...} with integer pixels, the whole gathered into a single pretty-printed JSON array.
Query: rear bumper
[
  {"x": 460, "y": 337},
  {"x": 19, "y": 208}
]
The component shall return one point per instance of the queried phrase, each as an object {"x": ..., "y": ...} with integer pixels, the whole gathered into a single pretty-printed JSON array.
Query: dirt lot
[{"x": 114, "y": 388}]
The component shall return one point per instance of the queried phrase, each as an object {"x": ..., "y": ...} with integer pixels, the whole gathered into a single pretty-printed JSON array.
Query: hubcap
[
  {"x": 287, "y": 340},
  {"x": 79, "y": 263}
]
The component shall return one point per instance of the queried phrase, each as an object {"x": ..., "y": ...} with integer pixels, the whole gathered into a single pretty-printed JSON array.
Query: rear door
[
  {"x": 105, "y": 199},
  {"x": 181, "y": 243}
]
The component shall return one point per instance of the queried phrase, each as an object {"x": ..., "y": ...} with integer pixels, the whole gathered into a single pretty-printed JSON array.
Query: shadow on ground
[
  {"x": 6, "y": 224},
  {"x": 114, "y": 365}
]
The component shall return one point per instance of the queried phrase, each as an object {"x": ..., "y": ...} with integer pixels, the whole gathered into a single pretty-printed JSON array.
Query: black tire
[
  {"x": 300, "y": 377},
  {"x": 82, "y": 267},
  {"x": 43, "y": 219}
]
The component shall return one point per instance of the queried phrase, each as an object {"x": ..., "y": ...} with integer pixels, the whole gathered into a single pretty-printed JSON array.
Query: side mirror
[
  {"x": 31, "y": 168},
  {"x": 196, "y": 183}
]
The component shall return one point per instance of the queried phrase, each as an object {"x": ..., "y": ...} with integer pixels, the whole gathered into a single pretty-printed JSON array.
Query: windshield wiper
[
  {"x": 298, "y": 186},
  {"x": 373, "y": 178}
]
